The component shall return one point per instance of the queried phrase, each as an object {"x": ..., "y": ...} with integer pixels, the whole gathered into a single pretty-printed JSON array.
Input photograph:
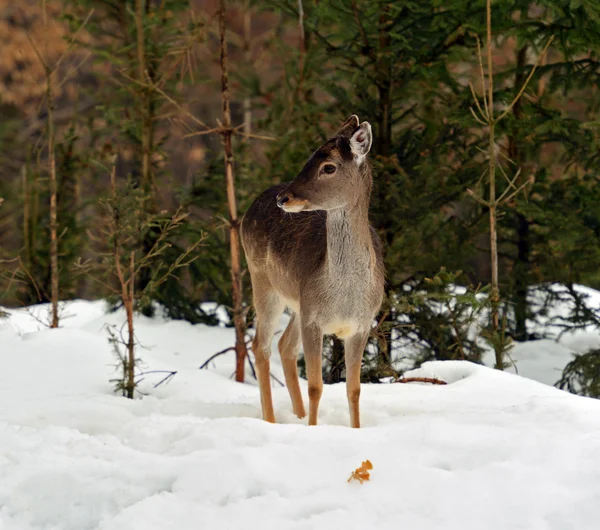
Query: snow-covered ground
[
  {"x": 489, "y": 450},
  {"x": 545, "y": 359}
]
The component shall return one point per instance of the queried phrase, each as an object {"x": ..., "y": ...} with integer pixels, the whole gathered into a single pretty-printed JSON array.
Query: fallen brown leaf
[{"x": 362, "y": 473}]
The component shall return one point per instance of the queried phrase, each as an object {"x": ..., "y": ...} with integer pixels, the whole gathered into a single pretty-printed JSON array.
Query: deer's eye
[{"x": 329, "y": 169}]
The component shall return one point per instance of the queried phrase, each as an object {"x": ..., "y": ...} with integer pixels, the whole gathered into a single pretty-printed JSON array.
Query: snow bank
[
  {"x": 490, "y": 450},
  {"x": 545, "y": 359}
]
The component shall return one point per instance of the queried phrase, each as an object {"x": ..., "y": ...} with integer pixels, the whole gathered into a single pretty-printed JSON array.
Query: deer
[{"x": 310, "y": 247}]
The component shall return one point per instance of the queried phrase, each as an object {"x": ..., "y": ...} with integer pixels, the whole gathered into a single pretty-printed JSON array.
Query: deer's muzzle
[{"x": 288, "y": 202}]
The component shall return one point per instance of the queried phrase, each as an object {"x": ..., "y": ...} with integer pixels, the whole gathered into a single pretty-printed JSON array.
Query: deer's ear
[
  {"x": 348, "y": 127},
  {"x": 360, "y": 142}
]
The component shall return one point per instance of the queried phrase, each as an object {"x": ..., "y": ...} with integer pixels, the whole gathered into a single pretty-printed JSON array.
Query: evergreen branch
[
  {"x": 184, "y": 53},
  {"x": 180, "y": 262},
  {"x": 13, "y": 276},
  {"x": 362, "y": 32},
  {"x": 404, "y": 113},
  {"x": 350, "y": 60},
  {"x": 85, "y": 268},
  {"x": 153, "y": 86}
]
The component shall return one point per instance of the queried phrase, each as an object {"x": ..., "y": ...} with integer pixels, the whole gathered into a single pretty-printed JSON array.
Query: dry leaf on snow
[{"x": 362, "y": 473}]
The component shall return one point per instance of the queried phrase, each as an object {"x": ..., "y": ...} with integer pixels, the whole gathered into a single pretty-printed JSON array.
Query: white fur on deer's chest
[
  {"x": 341, "y": 328},
  {"x": 347, "y": 310}
]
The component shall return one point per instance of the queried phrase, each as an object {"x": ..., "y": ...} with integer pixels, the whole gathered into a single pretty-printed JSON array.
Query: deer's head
[{"x": 336, "y": 175}]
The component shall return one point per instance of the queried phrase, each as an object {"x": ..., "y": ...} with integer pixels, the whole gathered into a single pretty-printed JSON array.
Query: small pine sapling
[
  {"x": 498, "y": 338},
  {"x": 128, "y": 220},
  {"x": 581, "y": 376},
  {"x": 442, "y": 320}
]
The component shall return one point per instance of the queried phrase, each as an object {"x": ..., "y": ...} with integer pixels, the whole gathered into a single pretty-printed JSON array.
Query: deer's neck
[{"x": 349, "y": 244}]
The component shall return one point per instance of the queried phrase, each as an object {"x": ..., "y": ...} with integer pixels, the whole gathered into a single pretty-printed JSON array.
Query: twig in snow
[
  {"x": 214, "y": 356},
  {"x": 431, "y": 380},
  {"x": 170, "y": 374},
  {"x": 276, "y": 379}
]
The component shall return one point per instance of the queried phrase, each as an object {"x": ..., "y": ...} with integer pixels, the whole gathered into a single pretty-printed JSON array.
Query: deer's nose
[{"x": 282, "y": 198}]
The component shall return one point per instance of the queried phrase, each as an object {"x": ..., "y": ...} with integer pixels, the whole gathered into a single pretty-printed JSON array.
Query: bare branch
[
  {"x": 431, "y": 380},
  {"x": 74, "y": 69},
  {"x": 478, "y": 198},
  {"x": 65, "y": 54},
  {"x": 214, "y": 356},
  {"x": 476, "y": 99},
  {"x": 481, "y": 73},
  {"x": 477, "y": 118},
  {"x": 37, "y": 52},
  {"x": 516, "y": 98},
  {"x": 501, "y": 199},
  {"x": 511, "y": 182}
]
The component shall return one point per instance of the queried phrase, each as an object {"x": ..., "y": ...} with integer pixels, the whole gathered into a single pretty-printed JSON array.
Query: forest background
[{"x": 113, "y": 133}]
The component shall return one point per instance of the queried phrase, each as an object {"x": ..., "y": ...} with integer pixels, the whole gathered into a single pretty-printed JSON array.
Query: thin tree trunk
[
  {"x": 337, "y": 361},
  {"x": 302, "y": 38},
  {"x": 34, "y": 234},
  {"x": 144, "y": 106},
  {"x": 53, "y": 192},
  {"x": 234, "y": 235},
  {"x": 130, "y": 331},
  {"x": 521, "y": 277},
  {"x": 498, "y": 337},
  {"x": 383, "y": 147},
  {"x": 127, "y": 292},
  {"x": 146, "y": 75},
  {"x": 521, "y": 268},
  {"x": 493, "y": 204},
  {"x": 248, "y": 59},
  {"x": 384, "y": 87},
  {"x": 26, "y": 214}
]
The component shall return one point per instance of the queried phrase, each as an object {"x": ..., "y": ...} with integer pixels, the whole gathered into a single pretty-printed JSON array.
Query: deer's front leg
[
  {"x": 268, "y": 310},
  {"x": 312, "y": 340},
  {"x": 354, "y": 347}
]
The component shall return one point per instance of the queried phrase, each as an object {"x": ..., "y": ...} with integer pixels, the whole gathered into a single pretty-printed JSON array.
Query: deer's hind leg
[
  {"x": 268, "y": 306},
  {"x": 289, "y": 346}
]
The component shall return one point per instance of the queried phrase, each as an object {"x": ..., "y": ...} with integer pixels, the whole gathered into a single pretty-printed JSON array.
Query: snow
[
  {"x": 490, "y": 450},
  {"x": 545, "y": 359}
]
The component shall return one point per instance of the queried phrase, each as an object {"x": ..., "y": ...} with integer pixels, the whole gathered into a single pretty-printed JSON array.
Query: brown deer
[{"x": 310, "y": 247}]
